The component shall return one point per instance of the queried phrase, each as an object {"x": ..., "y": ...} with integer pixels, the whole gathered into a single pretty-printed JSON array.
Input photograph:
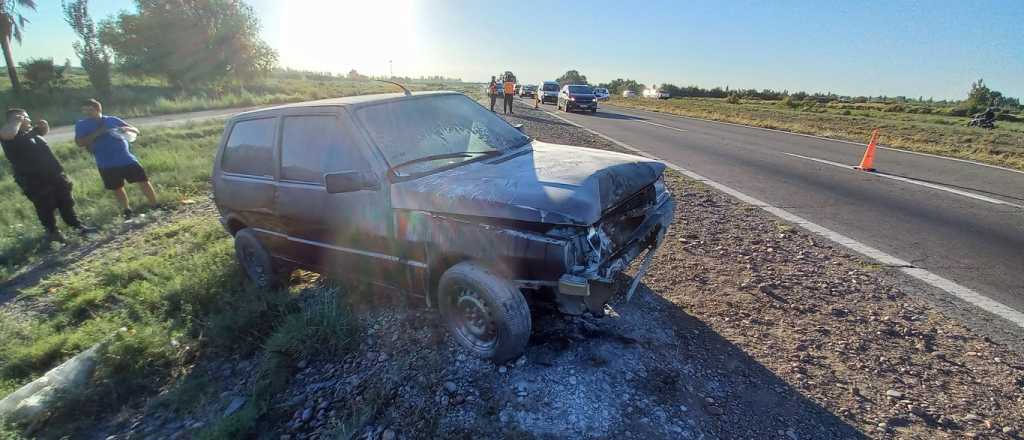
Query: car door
[
  {"x": 244, "y": 178},
  {"x": 345, "y": 234}
]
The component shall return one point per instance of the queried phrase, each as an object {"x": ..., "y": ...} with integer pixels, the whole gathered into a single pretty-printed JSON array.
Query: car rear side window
[
  {"x": 250, "y": 148},
  {"x": 314, "y": 145}
]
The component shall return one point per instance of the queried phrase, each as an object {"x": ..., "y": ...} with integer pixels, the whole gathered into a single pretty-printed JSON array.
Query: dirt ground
[{"x": 745, "y": 327}]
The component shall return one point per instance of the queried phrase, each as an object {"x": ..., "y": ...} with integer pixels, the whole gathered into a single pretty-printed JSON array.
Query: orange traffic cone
[{"x": 867, "y": 162}]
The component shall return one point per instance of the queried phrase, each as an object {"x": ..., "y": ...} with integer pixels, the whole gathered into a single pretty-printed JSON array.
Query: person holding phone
[{"x": 38, "y": 172}]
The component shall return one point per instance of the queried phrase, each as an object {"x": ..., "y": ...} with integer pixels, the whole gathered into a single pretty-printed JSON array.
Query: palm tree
[{"x": 11, "y": 23}]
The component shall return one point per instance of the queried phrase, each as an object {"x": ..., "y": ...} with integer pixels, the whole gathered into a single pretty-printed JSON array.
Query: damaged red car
[{"x": 434, "y": 196}]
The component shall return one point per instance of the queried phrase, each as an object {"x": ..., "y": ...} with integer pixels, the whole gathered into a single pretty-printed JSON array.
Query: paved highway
[{"x": 960, "y": 220}]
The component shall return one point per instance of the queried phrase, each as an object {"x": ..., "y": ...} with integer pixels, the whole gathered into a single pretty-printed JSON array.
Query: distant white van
[
  {"x": 655, "y": 93},
  {"x": 628, "y": 94}
]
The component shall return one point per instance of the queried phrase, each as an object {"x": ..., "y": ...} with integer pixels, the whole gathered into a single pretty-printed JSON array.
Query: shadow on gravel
[
  {"x": 674, "y": 376},
  {"x": 647, "y": 370}
]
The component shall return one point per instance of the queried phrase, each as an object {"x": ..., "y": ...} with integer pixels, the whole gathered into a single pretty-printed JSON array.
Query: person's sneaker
[
  {"x": 128, "y": 213},
  {"x": 55, "y": 236},
  {"x": 86, "y": 230}
]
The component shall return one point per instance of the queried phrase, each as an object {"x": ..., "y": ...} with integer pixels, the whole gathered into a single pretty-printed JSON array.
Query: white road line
[
  {"x": 965, "y": 294},
  {"x": 860, "y": 144},
  {"x": 913, "y": 181},
  {"x": 664, "y": 126}
]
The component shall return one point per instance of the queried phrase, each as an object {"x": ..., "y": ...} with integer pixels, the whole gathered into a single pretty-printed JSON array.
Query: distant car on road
[
  {"x": 628, "y": 94},
  {"x": 601, "y": 93},
  {"x": 528, "y": 90},
  {"x": 577, "y": 97},
  {"x": 434, "y": 197},
  {"x": 656, "y": 94},
  {"x": 549, "y": 92}
]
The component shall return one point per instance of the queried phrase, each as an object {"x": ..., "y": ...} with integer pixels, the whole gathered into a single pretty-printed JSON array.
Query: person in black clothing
[
  {"x": 492, "y": 92},
  {"x": 38, "y": 172}
]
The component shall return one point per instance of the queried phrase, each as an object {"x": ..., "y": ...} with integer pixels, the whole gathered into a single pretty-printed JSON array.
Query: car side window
[
  {"x": 314, "y": 145},
  {"x": 250, "y": 148}
]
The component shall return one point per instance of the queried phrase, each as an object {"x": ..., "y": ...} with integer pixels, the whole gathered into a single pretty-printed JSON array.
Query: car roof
[{"x": 347, "y": 101}]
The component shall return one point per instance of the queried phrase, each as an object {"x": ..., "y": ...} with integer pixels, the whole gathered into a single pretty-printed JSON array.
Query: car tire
[
  {"x": 484, "y": 311},
  {"x": 256, "y": 262},
  {"x": 593, "y": 110}
]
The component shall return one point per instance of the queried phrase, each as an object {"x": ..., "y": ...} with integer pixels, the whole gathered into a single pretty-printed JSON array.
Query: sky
[{"x": 932, "y": 48}]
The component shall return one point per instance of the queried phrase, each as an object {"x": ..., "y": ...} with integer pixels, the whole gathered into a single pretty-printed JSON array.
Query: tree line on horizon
[{"x": 979, "y": 97}]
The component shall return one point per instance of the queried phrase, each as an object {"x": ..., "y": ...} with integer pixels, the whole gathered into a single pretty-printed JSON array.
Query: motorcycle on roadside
[
  {"x": 986, "y": 119},
  {"x": 982, "y": 122}
]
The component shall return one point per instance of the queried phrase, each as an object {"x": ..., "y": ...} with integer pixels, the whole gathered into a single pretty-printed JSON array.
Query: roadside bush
[
  {"x": 733, "y": 99},
  {"x": 1009, "y": 117},
  {"x": 789, "y": 102},
  {"x": 41, "y": 75}
]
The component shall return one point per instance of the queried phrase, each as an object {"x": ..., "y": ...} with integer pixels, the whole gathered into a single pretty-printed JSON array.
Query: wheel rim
[
  {"x": 472, "y": 318},
  {"x": 253, "y": 267}
]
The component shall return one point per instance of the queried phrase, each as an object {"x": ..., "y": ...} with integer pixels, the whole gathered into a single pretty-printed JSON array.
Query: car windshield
[
  {"x": 550, "y": 87},
  {"x": 409, "y": 129},
  {"x": 583, "y": 90}
]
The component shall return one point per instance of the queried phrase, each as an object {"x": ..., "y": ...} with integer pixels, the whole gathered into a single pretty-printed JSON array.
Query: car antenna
[{"x": 405, "y": 90}]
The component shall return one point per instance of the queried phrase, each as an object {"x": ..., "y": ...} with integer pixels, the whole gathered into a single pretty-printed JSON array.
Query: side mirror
[
  {"x": 350, "y": 181},
  {"x": 519, "y": 127}
]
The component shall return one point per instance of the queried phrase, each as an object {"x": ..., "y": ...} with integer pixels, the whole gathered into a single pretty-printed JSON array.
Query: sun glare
[{"x": 340, "y": 35}]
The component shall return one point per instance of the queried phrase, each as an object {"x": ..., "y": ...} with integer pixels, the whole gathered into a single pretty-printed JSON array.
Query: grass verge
[
  {"x": 926, "y": 133},
  {"x": 168, "y": 295}
]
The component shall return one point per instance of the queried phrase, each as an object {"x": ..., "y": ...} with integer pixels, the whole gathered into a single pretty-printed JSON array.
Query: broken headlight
[{"x": 660, "y": 190}]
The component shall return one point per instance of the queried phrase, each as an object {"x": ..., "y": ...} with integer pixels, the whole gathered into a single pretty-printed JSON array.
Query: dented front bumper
[{"x": 589, "y": 287}]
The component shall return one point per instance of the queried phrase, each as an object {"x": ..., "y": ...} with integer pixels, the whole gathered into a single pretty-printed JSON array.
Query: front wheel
[{"x": 484, "y": 311}]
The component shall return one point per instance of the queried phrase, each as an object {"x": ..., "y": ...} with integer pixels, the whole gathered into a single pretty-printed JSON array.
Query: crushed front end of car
[{"x": 596, "y": 255}]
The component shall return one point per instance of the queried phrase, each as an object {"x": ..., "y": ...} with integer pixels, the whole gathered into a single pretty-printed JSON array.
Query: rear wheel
[
  {"x": 256, "y": 262},
  {"x": 484, "y": 311}
]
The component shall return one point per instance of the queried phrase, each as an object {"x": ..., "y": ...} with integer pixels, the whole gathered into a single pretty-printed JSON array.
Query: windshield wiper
[{"x": 444, "y": 156}]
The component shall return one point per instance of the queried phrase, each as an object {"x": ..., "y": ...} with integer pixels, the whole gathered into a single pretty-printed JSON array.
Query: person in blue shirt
[{"x": 101, "y": 135}]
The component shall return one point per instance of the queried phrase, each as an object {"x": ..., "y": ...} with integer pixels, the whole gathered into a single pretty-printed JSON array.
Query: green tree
[
  {"x": 42, "y": 75},
  {"x": 572, "y": 77},
  {"x": 979, "y": 96},
  {"x": 191, "y": 43},
  {"x": 11, "y": 25},
  {"x": 619, "y": 85},
  {"x": 95, "y": 58},
  {"x": 355, "y": 75}
]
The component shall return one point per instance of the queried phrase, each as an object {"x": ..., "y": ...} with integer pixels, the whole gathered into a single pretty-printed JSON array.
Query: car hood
[
  {"x": 583, "y": 96},
  {"x": 545, "y": 183}
]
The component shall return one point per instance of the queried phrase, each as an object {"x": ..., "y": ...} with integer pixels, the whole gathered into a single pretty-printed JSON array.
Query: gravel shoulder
[{"x": 745, "y": 327}]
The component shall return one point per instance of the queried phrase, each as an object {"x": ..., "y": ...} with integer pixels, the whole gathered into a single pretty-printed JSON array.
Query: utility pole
[{"x": 391, "y": 69}]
